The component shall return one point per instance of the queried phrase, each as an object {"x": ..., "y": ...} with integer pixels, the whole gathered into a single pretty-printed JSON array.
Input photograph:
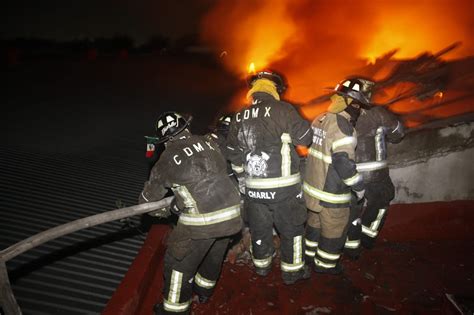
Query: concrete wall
[{"x": 434, "y": 165}]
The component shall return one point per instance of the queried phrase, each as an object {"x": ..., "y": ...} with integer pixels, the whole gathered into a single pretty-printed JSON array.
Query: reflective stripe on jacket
[
  {"x": 195, "y": 170},
  {"x": 261, "y": 143},
  {"x": 374, "y": 128},
  {"x": 330, "y": 169}
]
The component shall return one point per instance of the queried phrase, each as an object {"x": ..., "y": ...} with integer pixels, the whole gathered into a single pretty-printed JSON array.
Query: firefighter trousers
[
  {"x": 354, "y": 229},
  {"x": 378, "y": 195},
  {"x": 197, "y": 270},
  {"x": 288, "y": 218},
  {"x": 325, "y": 236}
]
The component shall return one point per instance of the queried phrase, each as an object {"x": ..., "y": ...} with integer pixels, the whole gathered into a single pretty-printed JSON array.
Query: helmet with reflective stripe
[
  {"x": 276, "y": 78},
  {"x": 359, "y": 89},
  {"x": 223, "y": 123},
  {"x": 169, "y": 125}
]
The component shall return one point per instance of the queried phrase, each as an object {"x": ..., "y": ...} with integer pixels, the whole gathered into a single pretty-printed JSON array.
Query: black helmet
[
  {"x": 356, "y": 88},
  {"x": 169, "y": 124},
  {"x": 223, "y": 123},
  {"x": 270, "y": 75}
]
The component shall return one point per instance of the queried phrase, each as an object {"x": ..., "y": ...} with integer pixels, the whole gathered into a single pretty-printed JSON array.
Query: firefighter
[
  {"x": 195, "y": 170},
  {"x": 218, "y": 134},
  {"x": 331, "y": 176},
  {"x": 220, "y": 131},
  {"x": 261, "y": 144},
  {"x": 375, "y": 126}
]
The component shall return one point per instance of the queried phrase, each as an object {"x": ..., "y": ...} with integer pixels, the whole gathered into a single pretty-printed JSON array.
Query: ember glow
[{"x": 316, "y": 43}]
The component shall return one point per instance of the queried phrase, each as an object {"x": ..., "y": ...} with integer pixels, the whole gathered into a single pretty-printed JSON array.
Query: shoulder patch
[{"x": 344, "y": 125}]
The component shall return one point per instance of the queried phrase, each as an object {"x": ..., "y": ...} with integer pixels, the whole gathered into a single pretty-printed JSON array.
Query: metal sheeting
[{"x": 77, "y": 273}]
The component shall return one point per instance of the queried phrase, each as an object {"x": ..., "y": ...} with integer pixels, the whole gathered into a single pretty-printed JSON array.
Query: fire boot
[
  {"x": 203, "y": 299},
  {"x": 158, "y": 309},
  {"x": 292, "y": 277},
  {"x": 330, "y": 271},
  {"x": 328, "y": 255},
  {"x": 262, "y": 272}
]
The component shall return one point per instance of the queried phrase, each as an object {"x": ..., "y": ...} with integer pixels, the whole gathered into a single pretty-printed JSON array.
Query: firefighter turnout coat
[
  {"x": 261, "y": 145},
  {"x": 196, "y": 171},
  {"x": 374, "y": 127},
  {"x": 330, "y": 170}
]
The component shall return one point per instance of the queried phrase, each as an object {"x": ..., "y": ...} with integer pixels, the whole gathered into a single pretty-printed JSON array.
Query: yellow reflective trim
[
  {"x": 203, "y": 282},
  {"x": 276, "y": 182},
  {"x": 344, "y": 141},
  {"x": 210, "y": 218},
  {"x": 285, "y": 155},
  {"x": 352, "y": 244},
  {"x": 319, "y": 155},
  {"x": 291, "y": 267},
  {"x": 367, "y": 231},
  {"x": 371, "y": 166},
  {"x": 310, "y": 253},
  {"x": 262, "y": 263},
  {"x": 297, "y": 249},
  {"x": 237, "y": 168},
  {"x": 353, "y": 180},
  {"x": 175, "y": 286},
  {"x": 323, "y": 264},
  {"x": 327, "y": 255},
  {"x": 176, "y": 307},
  {"x": 375, "y": 225},
  {"x": 286, "y": 138},
  {"x": 310, "y": 243},
  {"x": 325, "y": 196}
]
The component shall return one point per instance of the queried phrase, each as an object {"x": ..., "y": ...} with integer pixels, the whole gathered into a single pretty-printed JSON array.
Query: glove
[
  {"x": 166, "y": 211},
  {"x": 160, "y": 213},
  {"x": 360, "y": 194},
  {"x": 241, "y": 185},
  {"x": 174, "y": 208}
]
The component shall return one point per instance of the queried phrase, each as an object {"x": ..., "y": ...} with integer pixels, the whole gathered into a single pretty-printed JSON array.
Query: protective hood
[
  {"x": 338, "y": 103},
  {"x": 265, "y": 86}
]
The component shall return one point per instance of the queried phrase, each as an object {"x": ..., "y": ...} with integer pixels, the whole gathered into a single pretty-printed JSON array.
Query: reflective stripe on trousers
[
  {"x": 373, "y": 231},
  {"x": 171, "y": 303},
  {"x": 298, "y": 262}
]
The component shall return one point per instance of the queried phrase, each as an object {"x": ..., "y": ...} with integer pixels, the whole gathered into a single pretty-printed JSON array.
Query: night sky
[{"x": 65, "y": 20}]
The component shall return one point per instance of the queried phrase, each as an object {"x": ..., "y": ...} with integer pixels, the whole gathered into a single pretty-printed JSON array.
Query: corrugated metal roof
[{"x": 77, "y": 273}]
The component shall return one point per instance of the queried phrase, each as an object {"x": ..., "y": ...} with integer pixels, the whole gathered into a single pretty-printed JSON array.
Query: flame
[
  {"x": 439, "y": 94},
  {"x": 251, "y": 68},
  {"x": 316, "y": 43}
]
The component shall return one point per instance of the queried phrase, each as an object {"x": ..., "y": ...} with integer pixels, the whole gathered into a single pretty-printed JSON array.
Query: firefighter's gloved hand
[
  {"x": 160, "y": 213},
  {"x": 167, "y": 211},
  {"x": 174, "y": 208},
  {"x": 360, "y": 194},
  {"x": 242, "y": 185}
]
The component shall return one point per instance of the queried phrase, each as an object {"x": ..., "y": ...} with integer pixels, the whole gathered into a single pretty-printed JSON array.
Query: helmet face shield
[{"x": 169, "y": 125}]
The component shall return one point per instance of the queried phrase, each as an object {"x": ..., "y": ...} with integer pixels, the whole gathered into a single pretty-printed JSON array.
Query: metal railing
[{"x": 7, "y": 298}]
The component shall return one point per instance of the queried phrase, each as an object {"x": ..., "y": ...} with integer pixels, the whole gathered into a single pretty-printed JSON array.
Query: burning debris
[
  {"x": 313, "y": 44},
  {"x": 421, "y": 85}
]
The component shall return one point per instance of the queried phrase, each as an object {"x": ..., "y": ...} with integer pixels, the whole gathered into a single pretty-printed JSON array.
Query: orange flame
[
  {"x": 316, "y": 43},
  {"x": 251, "y": 69}
]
